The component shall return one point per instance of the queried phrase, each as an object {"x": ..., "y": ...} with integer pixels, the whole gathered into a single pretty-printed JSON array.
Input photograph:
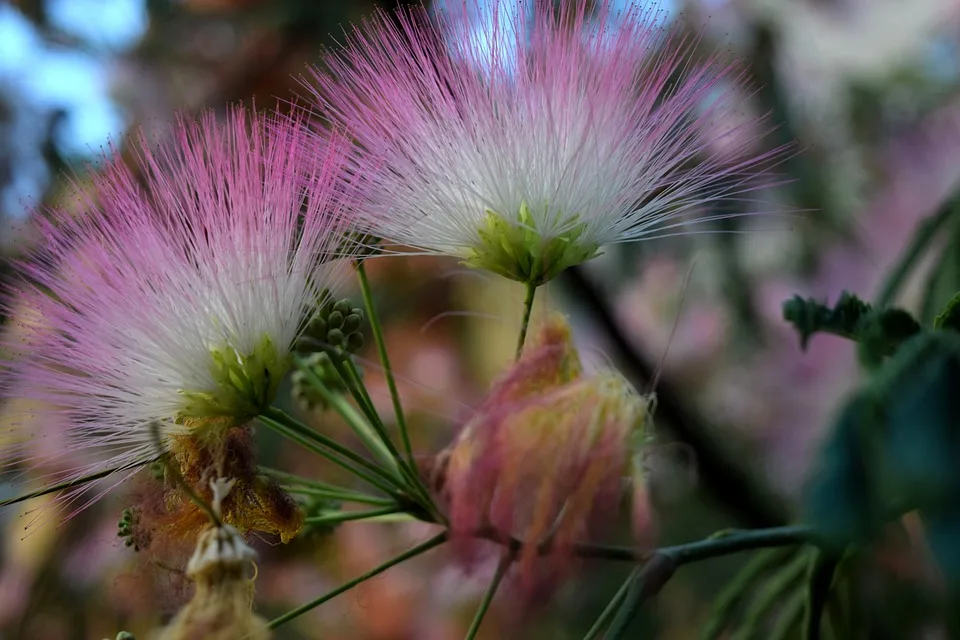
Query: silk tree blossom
[
  {"x": 169, "y": 306},
  {"x": 548, "y": 454},
  {"x": 525, "y": 149}
]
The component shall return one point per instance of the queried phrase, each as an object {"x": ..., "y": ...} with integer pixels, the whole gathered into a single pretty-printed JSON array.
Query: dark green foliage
[
  {"x": 879, "y": 332},
  {"x": 949, "y": 318},
  {"x": 839, "y": 498},
  {"x": 895, "y": 449},
  {"x": 811, "y": 316}
]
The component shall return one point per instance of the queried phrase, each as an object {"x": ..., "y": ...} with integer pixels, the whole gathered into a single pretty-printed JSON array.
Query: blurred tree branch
[{"x": 724, "y": 478}]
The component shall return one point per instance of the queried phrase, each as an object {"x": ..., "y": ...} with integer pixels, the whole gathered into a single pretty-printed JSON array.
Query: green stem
[
  {"x": 612, "y": 607},
  {"x": 331, "y": 450},
  {"x": 525, "y": 322},
  {"x": 409, "y": 466},
  {"x": 735, "y": 541},
  {"x": 76, "y": 482},
  {"x": 720, "y": 544},
  {"x": 293, "y": 479},
  {"x": 375, "y": 441},
  {"x": 377, "y": 331},
  {"x": 343, "y": 496},
  {"x": 648, "y": 582},
  {"x": 773, "y": 592},
  {"x": 334, "y": 517},
  {"x": 925, "y": 233},
  {"x": 415, "y": 551},
  {"x": 502, "y": 567},
  {"x": 351, "y": 377},
  {"x": 730, "y": 597}
]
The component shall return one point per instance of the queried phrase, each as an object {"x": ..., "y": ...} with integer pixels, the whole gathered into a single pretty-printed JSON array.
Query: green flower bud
[
  {"x": 318, "y": 327},
  {"x": 335, "y": 338},
  {"x": 354, "y": 342},
  {"x": 334, "y": 320},
  {"x": 352, "y": 323}
]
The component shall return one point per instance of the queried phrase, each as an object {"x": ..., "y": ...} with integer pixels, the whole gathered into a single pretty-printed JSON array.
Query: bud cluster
[{"x": 334, "y": 324}]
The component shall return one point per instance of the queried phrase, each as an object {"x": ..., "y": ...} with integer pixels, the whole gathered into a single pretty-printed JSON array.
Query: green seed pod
[{"x": 334, "y": 320}]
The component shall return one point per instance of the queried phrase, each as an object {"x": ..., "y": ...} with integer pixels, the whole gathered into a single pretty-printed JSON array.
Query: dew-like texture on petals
[
  {"x": 527, "y": 148},
  {"x": 172, "y": 298}
]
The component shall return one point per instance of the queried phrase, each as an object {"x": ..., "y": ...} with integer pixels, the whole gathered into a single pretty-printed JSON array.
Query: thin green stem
[
  {"x": 612, "y": 607},
  {"x": 648, "y": 582},
  {"x": 505, "y": 561},
  {"x": 377, "y": 331},
  {"x": 76, "y": 482},
  {"x": 925, "y": 233},
  {"x": 335, "y": 453},
  {"x": 734, "y": 541},
  {"x": 719, "y": 544},
  {"x": 334, "y": 517},
  {"x": 414, "y": 551},
  {"x": 525, "y": 322},
  {"x": 351, "y": 377},
  {"x": 373, "y": 439},
  {"x": 293, "y": 479},
  {"x": 408, "y": 467},
  {"x": 342, "y": 496}
]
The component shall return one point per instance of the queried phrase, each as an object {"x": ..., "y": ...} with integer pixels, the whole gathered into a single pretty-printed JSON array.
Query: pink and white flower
[
  {"x": 527, "y": 148},
  {"x": 171, "y": 302}
]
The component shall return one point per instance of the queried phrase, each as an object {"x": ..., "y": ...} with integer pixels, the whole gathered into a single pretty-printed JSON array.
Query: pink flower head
[
  {"x": 548, "y": 454},
  {"x": 526, "y": 148},
  {"x": 171, "y": 302}
]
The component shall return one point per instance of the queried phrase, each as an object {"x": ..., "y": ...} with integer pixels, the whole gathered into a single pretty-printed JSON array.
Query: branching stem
[{"x": 377, "y": 331}]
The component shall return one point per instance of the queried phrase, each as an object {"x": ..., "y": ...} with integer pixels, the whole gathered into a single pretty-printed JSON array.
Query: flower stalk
[
  {"x": 505, "y": 561},
  {"x": 531, "y": 289},
  {"x": 377, "y": 330}
]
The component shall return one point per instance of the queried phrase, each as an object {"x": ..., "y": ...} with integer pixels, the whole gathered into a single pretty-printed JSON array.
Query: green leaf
[
  {"x": 840, "y": 501},
  {"x": 949, "y": 318},
  {"x": 811, "y": 316},
  {"x": 880, "y": 334},
  {"x": 942, "y": 528},
  {"x": 919, "y": 392},
  {"x": 895, "y": 446}
]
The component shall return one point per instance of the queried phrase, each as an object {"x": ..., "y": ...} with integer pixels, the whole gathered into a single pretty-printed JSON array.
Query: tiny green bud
[
  {"x": 354, "y": 342},
  {"x": 343, "y": 306},
  {"x": 335, "y": 337},
  {"x": 334, "y": 320},
  {"x": 318, "y": 327},
  {"x": 352, "y": 323}
]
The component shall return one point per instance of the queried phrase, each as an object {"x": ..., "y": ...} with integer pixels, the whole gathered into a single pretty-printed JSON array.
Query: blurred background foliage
[{"x": 869, "y": 90}]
